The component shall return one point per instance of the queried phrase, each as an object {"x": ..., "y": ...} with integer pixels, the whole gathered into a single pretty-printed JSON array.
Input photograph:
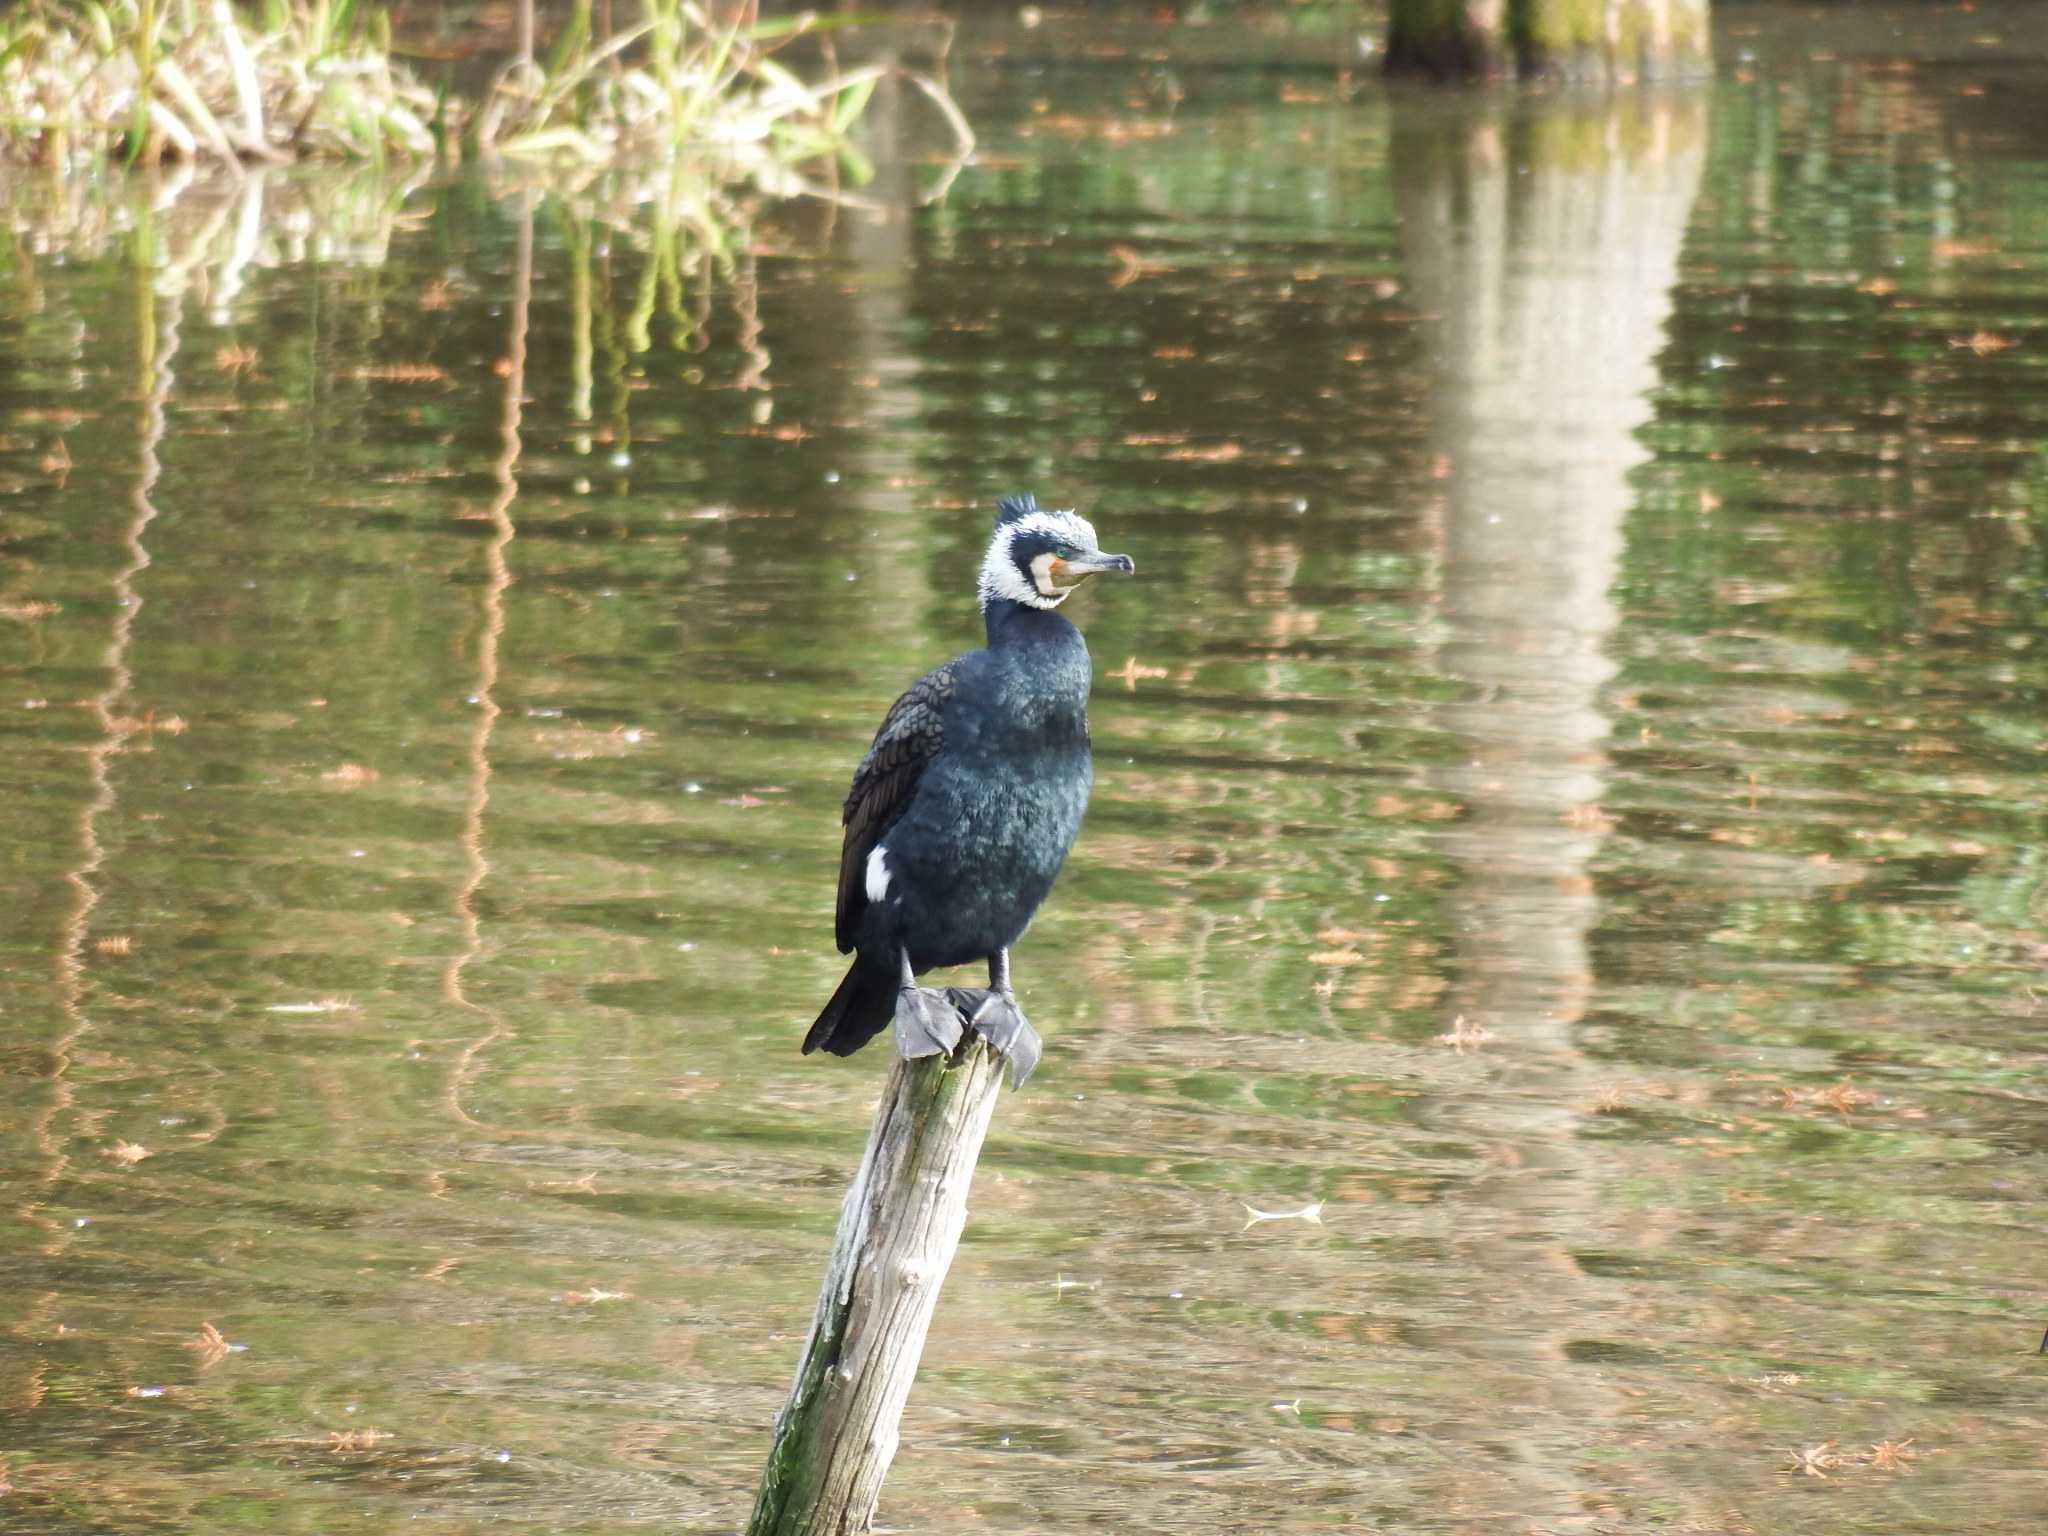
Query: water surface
[{"x": 1570, "y": 803}]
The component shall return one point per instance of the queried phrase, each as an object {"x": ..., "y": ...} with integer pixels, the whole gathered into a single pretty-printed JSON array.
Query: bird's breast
[{"x": 1003, "y": 817}]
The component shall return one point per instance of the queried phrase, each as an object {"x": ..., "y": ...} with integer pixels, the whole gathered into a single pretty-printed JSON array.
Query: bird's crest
[{"x": 1010, "y": 508}]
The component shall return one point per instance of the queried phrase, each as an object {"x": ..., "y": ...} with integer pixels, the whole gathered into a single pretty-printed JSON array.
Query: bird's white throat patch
[
  {"x": 1041, "y": 577},
  {"x": 878, "y": 875},
  {"x": 1001, "y": 577}
]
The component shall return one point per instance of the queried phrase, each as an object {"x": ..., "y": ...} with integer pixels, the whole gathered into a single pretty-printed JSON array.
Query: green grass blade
[
  {"x": 811, "y": 21},
  {"x": 570, "y": 45},
  {"x": 851, "y": 103}
]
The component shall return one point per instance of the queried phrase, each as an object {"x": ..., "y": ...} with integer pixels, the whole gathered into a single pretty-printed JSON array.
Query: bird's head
[{"x": 1039, "y": 555}]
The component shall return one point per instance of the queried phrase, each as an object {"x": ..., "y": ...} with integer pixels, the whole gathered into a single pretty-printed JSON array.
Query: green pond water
[{"x": 1572, "y": 776}]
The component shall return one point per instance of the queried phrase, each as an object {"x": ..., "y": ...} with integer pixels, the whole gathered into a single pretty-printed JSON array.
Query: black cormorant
[{"x": 965, "y": 806}]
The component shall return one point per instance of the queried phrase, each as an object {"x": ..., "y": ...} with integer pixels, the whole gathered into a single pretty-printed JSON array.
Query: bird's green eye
[{"x": 1064, "y": 552}]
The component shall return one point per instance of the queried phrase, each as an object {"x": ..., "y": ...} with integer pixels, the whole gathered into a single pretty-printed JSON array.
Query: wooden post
[{"x": 901, "y": 1221}]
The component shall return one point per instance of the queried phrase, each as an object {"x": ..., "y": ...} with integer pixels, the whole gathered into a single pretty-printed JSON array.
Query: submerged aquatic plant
[{"x": 655, "y": 254}]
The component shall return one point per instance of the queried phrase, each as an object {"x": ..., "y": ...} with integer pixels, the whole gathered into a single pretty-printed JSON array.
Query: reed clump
[
  {"x": 674, "y": 77},
  {"x": 89, "y": 81},
  {"x": 86, "y": 82}
]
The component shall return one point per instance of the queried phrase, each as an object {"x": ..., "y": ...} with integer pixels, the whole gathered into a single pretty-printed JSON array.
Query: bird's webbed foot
[
  {"x": 999, "y": 1019},
  {"x": 927, "y": 1023}
]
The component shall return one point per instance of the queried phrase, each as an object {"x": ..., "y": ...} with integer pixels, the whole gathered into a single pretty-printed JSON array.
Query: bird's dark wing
[{"x": 883, "y": 784}]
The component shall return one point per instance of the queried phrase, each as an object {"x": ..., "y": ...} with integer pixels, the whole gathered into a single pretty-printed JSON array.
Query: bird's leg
[
  {"x": 927, "y": 1023},
  {"x": 999, "y": 1019}
]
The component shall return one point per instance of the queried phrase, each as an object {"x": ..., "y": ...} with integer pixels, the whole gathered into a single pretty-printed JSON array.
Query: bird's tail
[{"x": 863, "y": 1005}]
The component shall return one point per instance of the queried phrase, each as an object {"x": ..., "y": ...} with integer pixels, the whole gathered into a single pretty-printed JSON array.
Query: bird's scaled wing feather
[{"x": 884, "y": 784}]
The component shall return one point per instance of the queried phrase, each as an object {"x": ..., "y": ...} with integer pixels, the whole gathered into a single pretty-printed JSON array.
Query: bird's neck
[
  {"x": 1041, "y": 679},
  {"x": 1019, "y": 624}
]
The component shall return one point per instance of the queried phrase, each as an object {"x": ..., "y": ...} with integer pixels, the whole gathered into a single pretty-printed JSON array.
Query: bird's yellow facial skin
[{"x": 1064, "y": 575}]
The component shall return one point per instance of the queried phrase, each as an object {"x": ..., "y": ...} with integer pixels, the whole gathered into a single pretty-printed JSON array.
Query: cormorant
[{"x": 965, "y": 806}]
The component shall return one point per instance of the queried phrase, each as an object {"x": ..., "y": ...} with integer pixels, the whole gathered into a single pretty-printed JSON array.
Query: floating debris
[
  {"x": 1312, "y": 1213},
  {"x": 1843, "y": 1097},
  {"x": 1462, "y": 1036},
  {"x": 211, "y": 1347},
  {"x": 1132, "y": 671},
  {"x": 1815, "y": 1460}
]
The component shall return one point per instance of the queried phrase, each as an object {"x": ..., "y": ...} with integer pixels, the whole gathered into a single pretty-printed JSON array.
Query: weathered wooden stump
[
  {"x": 1590, "y": 40},
  {"x": 898, "y": 1228}
]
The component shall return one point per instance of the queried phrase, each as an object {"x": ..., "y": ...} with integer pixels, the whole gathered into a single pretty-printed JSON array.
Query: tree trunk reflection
[{"x": 1544, "y": 238}]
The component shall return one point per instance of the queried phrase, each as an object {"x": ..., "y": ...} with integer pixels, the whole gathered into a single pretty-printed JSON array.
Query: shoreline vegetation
[
  {"x": 272, "y": 133},
  {"x": 88, "y": 84}
]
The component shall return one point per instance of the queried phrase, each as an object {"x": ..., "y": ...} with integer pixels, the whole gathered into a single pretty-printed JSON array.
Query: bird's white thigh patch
[{"x": 878, "y": 875}]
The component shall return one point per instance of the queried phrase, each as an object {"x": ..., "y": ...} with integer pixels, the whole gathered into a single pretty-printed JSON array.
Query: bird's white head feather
[{"x": 1003, "y": 577}]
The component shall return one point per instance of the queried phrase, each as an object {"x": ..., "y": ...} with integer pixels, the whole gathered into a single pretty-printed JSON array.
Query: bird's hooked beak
[{"x": 1067, "y": 574}]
